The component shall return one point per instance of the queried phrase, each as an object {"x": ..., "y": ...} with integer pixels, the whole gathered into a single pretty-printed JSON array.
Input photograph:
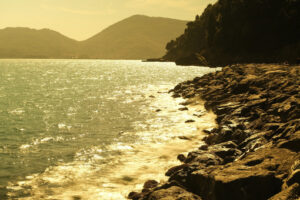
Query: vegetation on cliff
[{"x": 240, "y": 31}]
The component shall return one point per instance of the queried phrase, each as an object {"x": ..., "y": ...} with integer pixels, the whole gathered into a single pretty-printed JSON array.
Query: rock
[
  {"x": 254, "y": 162},
  {"x": 293, "y": 143},
  {"x": 76, "y": 197},
  {"x": 235, "y": 183},
  {"x": 184, "y": 138},
  {"x": 225, "y": 152},
  {"x": 229, "y": 144},
  {"x": 175, "y": 95},
  {"x": 203, "y": 147},
  {"x": 187, "y": 102},
  {"x": 291, "y": 193},
  {"x": 175, "y": 169},
  {"x": 251, "y": 153},
  {"x": 150, "y": 184},
  {"x": 152, "y": 96},
  {"x": 183, "y": 109},
  {"x": 181, "y": 158},
  {"x": 193, "y": 59},
  {"x": 210, "y": 130},
  {"x": 134, "y": 195},
  {"x": 239, "y": 179},
  {"x": 173, "y": 193},
  {"x": 158, "y": 110},
  {"x": 205, "y": 158},
  {"x": 190, "y": 121},
  {"x": 294, "y": 178}
]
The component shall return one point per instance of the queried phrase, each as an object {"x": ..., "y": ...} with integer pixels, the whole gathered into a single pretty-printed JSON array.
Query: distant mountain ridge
[
  {"x": 32, "y": 43},
  {"x": 136, "y": 37}
]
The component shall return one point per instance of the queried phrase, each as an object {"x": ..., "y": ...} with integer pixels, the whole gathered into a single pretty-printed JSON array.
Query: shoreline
[{"x": 254, "y": 151}]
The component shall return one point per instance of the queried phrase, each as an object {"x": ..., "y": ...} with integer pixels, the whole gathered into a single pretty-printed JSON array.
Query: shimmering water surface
[{"x": 86, "y": 129}]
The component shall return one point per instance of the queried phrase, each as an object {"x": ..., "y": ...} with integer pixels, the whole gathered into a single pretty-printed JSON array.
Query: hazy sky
[{"x": 80, "y": 19}]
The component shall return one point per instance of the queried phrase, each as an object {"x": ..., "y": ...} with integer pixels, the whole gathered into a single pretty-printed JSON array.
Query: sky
[{"x": 81, "y": 19}]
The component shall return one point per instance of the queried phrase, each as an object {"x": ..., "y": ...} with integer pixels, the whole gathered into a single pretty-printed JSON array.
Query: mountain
[
  {"x": 136, "y": 37},
  {"x": 240, "y": 31},
  {"x": 31, "y": 43}
]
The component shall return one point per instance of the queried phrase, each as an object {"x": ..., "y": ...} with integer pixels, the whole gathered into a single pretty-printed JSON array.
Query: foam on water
[
  {"x": 90, "y": 129},
  {"x": 148, "y": 158}
]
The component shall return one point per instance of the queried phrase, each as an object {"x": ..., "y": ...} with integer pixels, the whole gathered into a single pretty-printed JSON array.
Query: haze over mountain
[
  {"x": 31, "y": 43},
  {"x": 136, "y": 37}
]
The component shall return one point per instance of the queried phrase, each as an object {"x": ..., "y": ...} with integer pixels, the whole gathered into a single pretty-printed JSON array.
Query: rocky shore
[{"x": 253, "y": 153}]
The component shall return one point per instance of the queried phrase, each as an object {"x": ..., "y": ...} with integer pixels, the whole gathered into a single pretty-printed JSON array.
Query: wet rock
[
  {"x": 252, "y": 151},
  {"x": 189, "y": 94},
  {"x": 150, "y": 184},
  {"x": 134, "y": 195},
  {"x": 254, "y": 162},
  {"x": 203, "y": 147},
  {"x": 294, "y": 177},
  {"x": 236, "y": 183},
  {"x": 181, "y": 158},
  {"x": 229, "y": 144},
  {"x": 204, "y": 158},
  {"x": 158, "y": 110},
  {"x": 225, "y": 152},
  {"x": 291, "y": 193},
  {"x": 173, "y": 193},
  {"x": 76, "y": 197},
  {"x": 184, "y": 138},
  {"x": 293, "y": 143},
  {"x": 183, "y": 109},
  {"x": 190, "y": 121},
  {"x": 176, "y": 95},
  {"x": 210, "y": 130},
  {"x": 175, "y": 169},
  {"x": 187, "y": 102},
  {"x": 193, "y": 59}
]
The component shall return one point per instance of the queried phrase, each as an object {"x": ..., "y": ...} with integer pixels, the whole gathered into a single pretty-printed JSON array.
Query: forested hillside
[{"x": 240, "y": 31}]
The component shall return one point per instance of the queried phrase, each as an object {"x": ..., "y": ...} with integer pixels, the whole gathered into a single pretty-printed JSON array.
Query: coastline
[{"x": 254, "y": 151}]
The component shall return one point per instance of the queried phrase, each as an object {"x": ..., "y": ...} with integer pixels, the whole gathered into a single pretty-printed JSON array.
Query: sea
[{"x": 91, "y": 129}]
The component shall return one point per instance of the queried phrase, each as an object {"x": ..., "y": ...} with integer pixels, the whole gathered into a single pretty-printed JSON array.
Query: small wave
[
  {"x": 120, "y": 147},
  {"x": 41, "y": 141},
  {"x": 96, "y": 173},
  {"x": 64, "y": 126},
  {"x": 18, "y": 111}
]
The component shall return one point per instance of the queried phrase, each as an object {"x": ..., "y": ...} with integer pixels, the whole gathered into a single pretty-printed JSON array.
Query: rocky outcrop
[
  {"x": 253, "y": 153},
  {"x": 193, "y": 59},
  {"x": 173, "y": 192}
]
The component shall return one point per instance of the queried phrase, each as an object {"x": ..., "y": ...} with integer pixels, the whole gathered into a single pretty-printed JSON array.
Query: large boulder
[{"x": 173, "y": 193}]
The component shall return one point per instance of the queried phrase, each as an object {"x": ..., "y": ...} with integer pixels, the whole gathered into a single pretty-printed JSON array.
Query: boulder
[
  {"x": 150, "y": 184},
  {"x": 173, "y": 193}
]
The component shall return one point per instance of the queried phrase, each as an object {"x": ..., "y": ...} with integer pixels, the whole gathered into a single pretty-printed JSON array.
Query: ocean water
[{"x": 90, "y": 129}]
